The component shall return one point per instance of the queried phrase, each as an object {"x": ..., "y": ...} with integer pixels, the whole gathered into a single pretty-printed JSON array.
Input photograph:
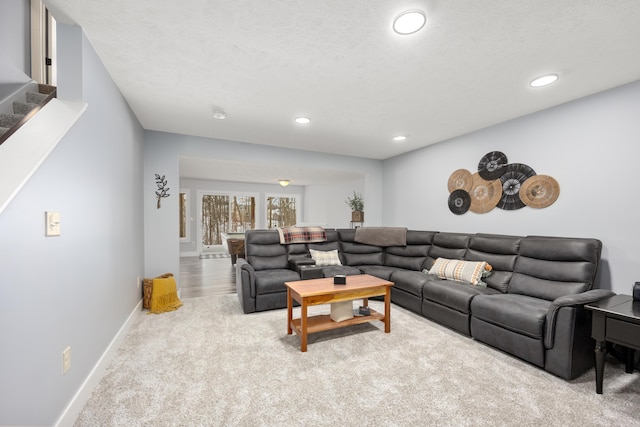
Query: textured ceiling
[{"x": 339, "y": 63}]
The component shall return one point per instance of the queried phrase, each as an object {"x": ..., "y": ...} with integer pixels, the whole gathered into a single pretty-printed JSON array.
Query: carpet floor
[{"x": 208, "y": 364}]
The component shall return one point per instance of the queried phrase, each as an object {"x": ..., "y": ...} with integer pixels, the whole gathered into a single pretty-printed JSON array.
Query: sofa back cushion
[
  {"x": 297, "y": 250},
  {"x": 330, "y": 245},
  {"x": 500, "y": 252},
  {"x": 264, "y": 251},
  {"x": 414, "y": 255},
  {"x": 358, "y": 253},
  {"x": 550, "y": 267},
  {"x": 447, "y": 245}
]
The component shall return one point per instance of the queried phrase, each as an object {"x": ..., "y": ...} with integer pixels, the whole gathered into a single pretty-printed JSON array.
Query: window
[
  {"x": 185, "y": 216},
  {"x": 281, "y": 211},
  {"x": 226, "y": 213}
]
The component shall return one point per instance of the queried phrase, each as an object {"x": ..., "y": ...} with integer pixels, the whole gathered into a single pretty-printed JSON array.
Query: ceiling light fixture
[
  {"x": 303, "y": 120},
  {"x": 409, "y": 22},
  {"x": 543, "y": 80},
  {"x": 399, "y": 138},
  {"x": 283, "y": 182},
  {"x": 219, "y": 114}
]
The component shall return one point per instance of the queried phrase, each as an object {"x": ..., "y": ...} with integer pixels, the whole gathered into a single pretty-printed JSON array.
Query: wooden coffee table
[{"x": 323, "y": 291}]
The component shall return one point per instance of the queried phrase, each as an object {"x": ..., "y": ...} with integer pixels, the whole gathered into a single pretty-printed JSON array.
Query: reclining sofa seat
[
  {"x": 265, "y": 270},
  {"x": 540, "y": 318},
  {"x": 449, "y": 302}
]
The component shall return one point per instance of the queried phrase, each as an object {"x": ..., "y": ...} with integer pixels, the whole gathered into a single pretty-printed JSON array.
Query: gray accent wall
[
  {"x": 77, "y": 289},
  {"x": 591, "y": 146}
]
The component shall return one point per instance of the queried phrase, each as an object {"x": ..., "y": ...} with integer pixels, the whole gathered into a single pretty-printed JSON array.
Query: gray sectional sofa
[{"x": 531, "y": 307}]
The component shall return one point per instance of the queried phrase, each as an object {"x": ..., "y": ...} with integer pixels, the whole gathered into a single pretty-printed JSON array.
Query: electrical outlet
[
  {"x": 66, "y": 360},
  {"x": 138, "y": 282}
]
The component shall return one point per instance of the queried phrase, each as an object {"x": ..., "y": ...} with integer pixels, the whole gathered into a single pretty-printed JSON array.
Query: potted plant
[{"x": 356, "y": 203}]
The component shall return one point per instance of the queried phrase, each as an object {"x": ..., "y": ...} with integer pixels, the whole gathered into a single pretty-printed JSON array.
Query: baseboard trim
[{"x": 71, "y": 412}]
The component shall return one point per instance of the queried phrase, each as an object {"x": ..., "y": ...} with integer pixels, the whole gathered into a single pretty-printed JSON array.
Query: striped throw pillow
[{"x": 460, "y": 271}]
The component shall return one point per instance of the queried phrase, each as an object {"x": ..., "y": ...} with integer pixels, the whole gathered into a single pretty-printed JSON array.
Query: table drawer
[{"x": 626, "y": 333}]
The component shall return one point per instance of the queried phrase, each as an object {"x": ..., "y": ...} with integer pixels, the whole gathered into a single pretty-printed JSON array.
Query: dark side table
[{"x": 615, "y": 319}]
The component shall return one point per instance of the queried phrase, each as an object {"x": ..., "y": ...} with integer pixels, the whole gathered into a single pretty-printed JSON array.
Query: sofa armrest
[
  {"x": 246, "y": 285},
  {"x": 294, "y": 262},
  {"x": 574, "y": 300}
]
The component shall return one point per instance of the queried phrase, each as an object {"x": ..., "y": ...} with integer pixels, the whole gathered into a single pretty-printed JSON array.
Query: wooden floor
[{"x": 203, "y": 277}]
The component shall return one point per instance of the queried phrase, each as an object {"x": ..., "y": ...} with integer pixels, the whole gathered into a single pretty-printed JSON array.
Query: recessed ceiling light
[
  {"x": 219, "y": 114},
  {"x": 409, "y": 22},
  {"x": 399, "y": 138},
  {"x": 543, "y": 80},
  {"x": 303, "y": 120}
]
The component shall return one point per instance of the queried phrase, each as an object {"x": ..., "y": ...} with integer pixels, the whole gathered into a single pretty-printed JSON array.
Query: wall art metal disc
[
  {"x": 459, "y": 180},
  {"x": 485, "y": 195},
  {"x": 539, "y": 191},
  {"x": 459, "y": 202},
  {"x": 492, "y": 165},
  {"x": 512, "y": 179}
]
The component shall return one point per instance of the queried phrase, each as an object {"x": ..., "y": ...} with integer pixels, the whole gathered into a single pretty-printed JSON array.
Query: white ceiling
[{"x": 339, "y": 63}]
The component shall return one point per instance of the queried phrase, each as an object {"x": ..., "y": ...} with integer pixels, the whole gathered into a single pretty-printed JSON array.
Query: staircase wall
[
  {"x": 78, "y": 289},
  {"x": 15, "y": 42}
]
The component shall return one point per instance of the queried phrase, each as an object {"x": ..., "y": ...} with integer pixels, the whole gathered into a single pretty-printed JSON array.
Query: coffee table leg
[
  {"x": 289, "y": 311},
  {"x": 303, "y": 325},
  {"x": 387, "y": 310},
  {"x": 600, "y": 353}
]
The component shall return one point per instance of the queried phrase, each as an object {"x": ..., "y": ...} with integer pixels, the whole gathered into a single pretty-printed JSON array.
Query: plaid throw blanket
[{"x": 302, "y": 234}]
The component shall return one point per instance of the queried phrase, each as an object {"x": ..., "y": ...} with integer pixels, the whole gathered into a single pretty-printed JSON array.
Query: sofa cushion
[
  {"x": 452, "y": 294},
  {"x": 447, "y": 245},
  {"x": 269, "y": 281},
  {"x": 325, "y": 257},
  {"x": 409, "y": 281},
  {"x": 500, "y": 252},
  {"x": 345, "y": 270},
  {"x": 264, "y": 251},
  {"x": 410, "y": 257},
  {"x": 359, "y": 254},
  {"x": 522, "y": 314},
  {"x": 460, "y": 271},
  {"x": 381, "y": 271},
  {"x": 551, "y": 267}
]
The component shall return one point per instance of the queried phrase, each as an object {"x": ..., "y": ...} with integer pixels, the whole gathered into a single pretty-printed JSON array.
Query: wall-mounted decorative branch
[{"x": 162, "y": 190}]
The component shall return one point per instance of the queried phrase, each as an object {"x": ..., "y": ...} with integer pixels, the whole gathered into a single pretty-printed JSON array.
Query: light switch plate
[{"x": 52, "y": 224}]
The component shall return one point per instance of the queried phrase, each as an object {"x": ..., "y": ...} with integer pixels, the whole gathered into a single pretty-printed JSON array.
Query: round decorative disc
[
  {"x": 492, "y": 165},
  {"x": 459, "y": 180},
  {"x": 539, "y": 191},
  {"x": 485, "y": 195},
  {"x": 459, "y": 201},
  {"x": 512, "y": 179}
]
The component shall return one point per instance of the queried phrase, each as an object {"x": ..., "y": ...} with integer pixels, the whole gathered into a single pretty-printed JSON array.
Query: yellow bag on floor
[{"x": 164, "y": 295}]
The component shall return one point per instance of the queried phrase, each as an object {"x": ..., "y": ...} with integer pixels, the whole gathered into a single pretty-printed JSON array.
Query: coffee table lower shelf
[{"x": 323, "y": 322}]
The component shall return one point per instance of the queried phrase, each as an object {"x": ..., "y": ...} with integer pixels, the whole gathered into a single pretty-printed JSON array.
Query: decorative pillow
[
  {"x": 461, "y": 271},
  {"x": 325, "y": 257}
]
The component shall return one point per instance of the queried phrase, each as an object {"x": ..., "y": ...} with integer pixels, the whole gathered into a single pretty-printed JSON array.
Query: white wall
[
  {"x": 77, "y": 289},
  {"x": 162, "y": 153},
  {"x": 590, "y": 146}
]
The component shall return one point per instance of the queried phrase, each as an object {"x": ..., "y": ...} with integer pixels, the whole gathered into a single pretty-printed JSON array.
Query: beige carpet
[{"x": 208, "y": 364}]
